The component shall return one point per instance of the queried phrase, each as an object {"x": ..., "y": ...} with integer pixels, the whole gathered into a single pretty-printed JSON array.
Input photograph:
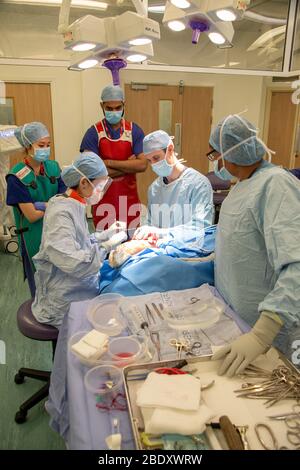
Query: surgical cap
[
  {"x": 31, "y": 133},
  {"x": 157, "y": 140},
  {"x": 112, "y": 93},
  {"x": 87, "y": 163},
  {"x": 235, "y": 131}
]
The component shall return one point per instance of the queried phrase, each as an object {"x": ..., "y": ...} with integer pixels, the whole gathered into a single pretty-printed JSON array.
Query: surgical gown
[
  {"x": 68, "y": 263},
  {"x": 257, "y": 265},
  {"x": 182, "y": 206}
]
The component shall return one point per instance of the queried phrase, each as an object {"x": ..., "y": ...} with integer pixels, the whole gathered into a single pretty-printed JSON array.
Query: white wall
[{"x": 76, "y": 96}]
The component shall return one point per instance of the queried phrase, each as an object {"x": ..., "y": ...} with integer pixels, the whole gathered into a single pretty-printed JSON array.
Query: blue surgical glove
[{"x": 40, "y": 206}]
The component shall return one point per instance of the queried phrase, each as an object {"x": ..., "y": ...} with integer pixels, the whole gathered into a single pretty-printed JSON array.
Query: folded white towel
[
  {"x": 95, "y": 339},
  {"x": 170, "y": 421},
  {"x": 182, "y": 392},
  {"x": 84, "y": 350}
]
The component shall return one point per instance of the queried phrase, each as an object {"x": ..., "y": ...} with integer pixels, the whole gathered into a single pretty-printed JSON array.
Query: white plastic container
[
  {"x": 103, "y": 380},
  {"x": 88, "y": 362},
  {"x": 104, "y": 314}
]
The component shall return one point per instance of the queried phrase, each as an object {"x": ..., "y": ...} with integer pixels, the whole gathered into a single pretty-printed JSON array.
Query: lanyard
[{"x": 107, "y": 132}]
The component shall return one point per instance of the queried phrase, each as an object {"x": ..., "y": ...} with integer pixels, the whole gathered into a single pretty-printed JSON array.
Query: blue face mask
[
  {"x": 223, "y": 173},
  {"x": 113, "y": 117},
  {"x": 162, "y": 168},
  {"x": 42, "y": 154}
]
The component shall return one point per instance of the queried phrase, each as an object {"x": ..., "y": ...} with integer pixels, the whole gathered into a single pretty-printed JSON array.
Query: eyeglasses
[{"x": 212, "y": 155}]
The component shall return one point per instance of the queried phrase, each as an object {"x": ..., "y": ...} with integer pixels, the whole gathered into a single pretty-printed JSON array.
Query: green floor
[{"x": 20, "y": 352}]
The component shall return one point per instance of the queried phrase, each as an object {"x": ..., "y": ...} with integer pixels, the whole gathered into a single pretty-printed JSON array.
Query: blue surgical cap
[
  {"x": 31, "y": 133},
  {"x": 89, "y": 164},
  {"x": 157, "y": 140},
  {"x": 112, "y": 93},
  {"x": 235, "y": 131}
]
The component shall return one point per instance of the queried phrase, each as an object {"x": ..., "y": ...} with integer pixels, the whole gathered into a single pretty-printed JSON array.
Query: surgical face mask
[
  {"x": 113, "y": 117},
  {"x": 98, "y": 191},
  {"x": 41, "y": 154},
  {"x": 224, "y": 174},
  {"x": 163, "y": 168}
]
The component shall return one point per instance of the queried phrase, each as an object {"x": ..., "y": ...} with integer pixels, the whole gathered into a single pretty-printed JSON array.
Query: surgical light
[
  {"x": 140, "y": 41},
  {"x": 216, "y": 38},
  {"x": 85, "y": 34},
  {"x": 226, "y": 15},
  {"x": 136, "y": 58},
  {"x": 181, "y": 3},
  {"x": 157, "y": 9},
  {"x": 85, "y": 46},
  {"x": 176, "y": 25},
  {"x": 87, "y": 64}
]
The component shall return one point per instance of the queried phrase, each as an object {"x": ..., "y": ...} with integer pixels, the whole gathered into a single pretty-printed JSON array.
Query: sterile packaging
[{"x": 197, "y": 315}]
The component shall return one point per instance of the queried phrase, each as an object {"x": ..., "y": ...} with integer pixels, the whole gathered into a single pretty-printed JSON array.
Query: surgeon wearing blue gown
[
  {"x": 257, "y": 255},
  {"x": 180, "y": 200},
  {"x": 68, "y": 263}
]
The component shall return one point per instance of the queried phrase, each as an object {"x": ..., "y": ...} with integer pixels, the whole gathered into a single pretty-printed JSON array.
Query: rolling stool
[{"x": 31, "y": 328}]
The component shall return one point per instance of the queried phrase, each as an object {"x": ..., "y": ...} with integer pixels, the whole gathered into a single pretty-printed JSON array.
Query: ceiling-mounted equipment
[
  {"x": 199, "y": 21},
  {"x": 111, "y": 41}
]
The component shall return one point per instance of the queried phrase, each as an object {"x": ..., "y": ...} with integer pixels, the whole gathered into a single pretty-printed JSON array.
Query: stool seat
[
  {"x": 31, "y": 328},
  {"x": 219, "y": 197}
]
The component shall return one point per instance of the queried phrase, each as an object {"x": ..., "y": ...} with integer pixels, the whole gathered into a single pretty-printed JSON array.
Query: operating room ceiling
[{"x": 31, "y": 32}]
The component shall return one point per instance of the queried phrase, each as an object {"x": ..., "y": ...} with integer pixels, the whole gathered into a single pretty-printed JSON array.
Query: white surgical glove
[
  {"x": 114, "y": 241},
  {"x": 243, "y": 350},
  {"x": 147, "y": 231}
]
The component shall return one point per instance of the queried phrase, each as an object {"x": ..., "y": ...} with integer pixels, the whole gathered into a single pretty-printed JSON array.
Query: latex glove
[
  {"x": 114, "y": 241},
  {"x": 146, "y": 231},
  {"x": 40, "y": 206},
  {"x": 243, "y": 350}
]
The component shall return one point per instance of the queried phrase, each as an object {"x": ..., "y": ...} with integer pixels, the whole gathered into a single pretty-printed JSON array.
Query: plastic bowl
[
  {"x": 103, "y": 380},
  {"x": 104, "y": 314},
  {"x": 125, "y": 349},
  {"x": 88, "y": 362}
]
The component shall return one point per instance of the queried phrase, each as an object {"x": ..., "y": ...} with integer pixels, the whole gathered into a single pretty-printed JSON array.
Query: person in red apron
[{"x": 120, "y": 144}]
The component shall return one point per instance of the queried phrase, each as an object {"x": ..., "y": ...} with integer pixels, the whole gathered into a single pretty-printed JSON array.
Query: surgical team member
[
  {"x": 180, "y": 199},
  {"x": 120, "y": 144},
  {"x": 257, "y": 264},
  {"x": 30, "y": 184},
  {"x": 68, "y": 263}
]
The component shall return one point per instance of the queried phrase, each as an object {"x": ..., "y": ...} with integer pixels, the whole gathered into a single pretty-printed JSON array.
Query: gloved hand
[
  {"x": 146, "y": 231},
  {"x": 243, "y": 350},
  {"x": 40, "y": 206},
  {"x": 114, "y": 241}
]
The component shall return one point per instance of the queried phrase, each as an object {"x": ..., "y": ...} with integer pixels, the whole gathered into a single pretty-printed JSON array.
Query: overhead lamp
[
  {"x": 176, "y": 25},
  {"x": 131, "y": 26},
  {"x": 85, "y": 34},
  {"x": 220, "y": 33},
  {"x": 226, "y": 15},
  {"x": 83, "y": 4},
  {"x": 224, "y": 10},
  {"x": 157, "y": 9},
  {"x": 181, "y": 3},
  {"x": 216, "y": 38},
  {"x": 140, "y": 41},
  {"x": 83, "y": 62},
  {"x": 136, "y": 58}
]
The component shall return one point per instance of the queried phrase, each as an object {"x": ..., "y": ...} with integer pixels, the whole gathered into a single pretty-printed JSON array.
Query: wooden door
[
  {"x": 282, "y": 128},
  {"x": 32, "y": 102},
  {"x": 190, "y": 121}
]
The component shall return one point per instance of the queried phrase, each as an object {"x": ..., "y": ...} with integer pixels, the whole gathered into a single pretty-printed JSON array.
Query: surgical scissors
[
  {"x": 295, "y": 413},
  {"x": 268, "y": 431},
  {"x": 293, "y": 423},
  {"x": 179, "y": 345}
]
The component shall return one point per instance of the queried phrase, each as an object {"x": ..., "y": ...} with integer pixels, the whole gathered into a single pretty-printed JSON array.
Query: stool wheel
[
  {"x": 20, "y": 417},
  {"x": 19, "y": 378}
]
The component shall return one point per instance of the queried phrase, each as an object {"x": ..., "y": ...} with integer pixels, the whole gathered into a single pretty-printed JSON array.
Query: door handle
[{"x": 177, "y": 143}]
